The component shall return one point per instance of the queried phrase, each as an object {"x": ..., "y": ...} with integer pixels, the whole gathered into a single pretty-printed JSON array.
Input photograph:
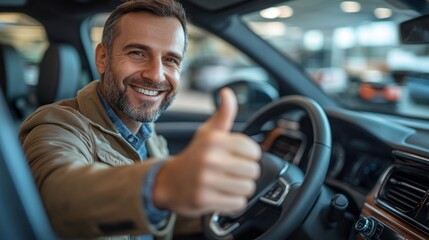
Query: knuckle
[
  {"x": 236, "y": 204},
  {"x": 256, "y": 170},
  {"x": 257, "y": 151},
  {"x": 208, "y": 159},
  {"x": 241, "y": 203},
  {"x": 252, "y": 188}
]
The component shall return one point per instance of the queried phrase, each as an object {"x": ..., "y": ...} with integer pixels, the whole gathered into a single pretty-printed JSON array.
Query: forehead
[{"x": 155, "y": 31}]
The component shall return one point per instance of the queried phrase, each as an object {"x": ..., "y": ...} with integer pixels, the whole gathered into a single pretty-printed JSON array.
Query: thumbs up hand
[{"x": 215, "y": 172}]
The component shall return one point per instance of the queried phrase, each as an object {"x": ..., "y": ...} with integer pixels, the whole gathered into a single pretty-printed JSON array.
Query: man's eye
[
  {"x": 136, "y": 53},
  {"x": 173, "y": 60}
]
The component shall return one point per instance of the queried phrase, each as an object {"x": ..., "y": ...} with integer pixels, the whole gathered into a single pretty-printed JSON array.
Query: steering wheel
[{"x": 282, "y": 186}]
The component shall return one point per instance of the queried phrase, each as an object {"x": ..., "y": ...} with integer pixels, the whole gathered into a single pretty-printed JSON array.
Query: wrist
[{"x": 161, "y": 187}]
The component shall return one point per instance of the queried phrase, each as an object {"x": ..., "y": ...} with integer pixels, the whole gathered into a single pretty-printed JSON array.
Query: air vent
[
  {"x": 404, "y": 191},
  {"x": 287, "y": 147}
]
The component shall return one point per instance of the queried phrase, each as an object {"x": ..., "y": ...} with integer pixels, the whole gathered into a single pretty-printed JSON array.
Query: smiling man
[
  {"x": 100, "y": 167},
  {"x": 144, "y": 79}
]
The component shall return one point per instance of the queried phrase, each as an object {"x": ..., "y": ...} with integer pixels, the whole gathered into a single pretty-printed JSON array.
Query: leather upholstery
[
  {"x": 12, "y": 79},
  {"x": 59, "y": 74}
]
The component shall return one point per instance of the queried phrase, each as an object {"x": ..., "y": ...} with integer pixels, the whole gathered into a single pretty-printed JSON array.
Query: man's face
[{"x": 141, "y": 77}]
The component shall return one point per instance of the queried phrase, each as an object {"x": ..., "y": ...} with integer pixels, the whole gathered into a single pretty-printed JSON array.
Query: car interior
[
  {"x": 22, "y": 211},
  {"x": 335, "y": 92}
]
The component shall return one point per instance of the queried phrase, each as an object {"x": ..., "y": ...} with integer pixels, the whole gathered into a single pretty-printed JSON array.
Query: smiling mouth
[{"x": 147, "y": 91}]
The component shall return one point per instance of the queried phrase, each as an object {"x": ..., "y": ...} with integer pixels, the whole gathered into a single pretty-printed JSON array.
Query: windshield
[{"x": 352, "y": 51}]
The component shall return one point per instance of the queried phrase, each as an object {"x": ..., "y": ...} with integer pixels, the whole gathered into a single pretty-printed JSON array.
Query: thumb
[{"x": 224, "y": 117}]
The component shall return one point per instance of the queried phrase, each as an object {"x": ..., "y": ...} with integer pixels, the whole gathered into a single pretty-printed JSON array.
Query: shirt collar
[{"x": 136, "y": 140}]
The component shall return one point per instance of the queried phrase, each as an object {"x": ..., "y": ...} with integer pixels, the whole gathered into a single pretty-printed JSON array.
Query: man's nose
[{"x": 154, "y": 70}]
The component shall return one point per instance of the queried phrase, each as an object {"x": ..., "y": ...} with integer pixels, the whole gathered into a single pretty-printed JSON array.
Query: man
[{"x": 100, "y": 167}]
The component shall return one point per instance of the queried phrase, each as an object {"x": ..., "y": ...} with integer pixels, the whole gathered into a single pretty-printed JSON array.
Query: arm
[{"x": 82, "y": 193}]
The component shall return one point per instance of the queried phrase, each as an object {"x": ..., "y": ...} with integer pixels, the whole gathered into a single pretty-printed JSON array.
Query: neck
[
  {"x": 134, "y": 126},
  {"x": 131, "y": 124}
]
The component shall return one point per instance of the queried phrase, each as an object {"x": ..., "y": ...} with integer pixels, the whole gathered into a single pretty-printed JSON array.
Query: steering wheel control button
[{"x": 276, "y": 193}]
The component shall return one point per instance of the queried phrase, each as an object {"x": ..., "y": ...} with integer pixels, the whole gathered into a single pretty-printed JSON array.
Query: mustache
[{"x": 147, "y": 83}]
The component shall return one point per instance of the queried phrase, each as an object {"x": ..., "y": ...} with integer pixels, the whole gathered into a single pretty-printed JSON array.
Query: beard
[{"x": 145, "y": 111}]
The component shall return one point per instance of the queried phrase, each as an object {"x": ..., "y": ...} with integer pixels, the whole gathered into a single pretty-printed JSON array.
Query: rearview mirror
[
  {"x": 251, "y": 95},
  {"x": 415, "y": 31}
]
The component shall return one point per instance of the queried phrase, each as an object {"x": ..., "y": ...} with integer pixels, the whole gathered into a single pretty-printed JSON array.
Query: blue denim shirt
[{"x": 156, "y": 216}]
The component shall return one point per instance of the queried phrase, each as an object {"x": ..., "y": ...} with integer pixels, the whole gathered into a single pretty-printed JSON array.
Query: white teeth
[{"x": 147, "y": 92}]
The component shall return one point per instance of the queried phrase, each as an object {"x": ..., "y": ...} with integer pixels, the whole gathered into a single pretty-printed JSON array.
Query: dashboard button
[{"x": 366, "y": 226}]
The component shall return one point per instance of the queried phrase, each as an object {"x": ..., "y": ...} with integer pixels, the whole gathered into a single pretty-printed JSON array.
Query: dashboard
[
  {"x": 381, "y": 164},
  {"x": 357, "y": 159}
]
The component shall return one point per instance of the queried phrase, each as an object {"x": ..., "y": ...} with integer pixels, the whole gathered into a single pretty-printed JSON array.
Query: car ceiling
[
  {"x": 79, "y": 9},
  {"x": 216, "y": 5},
  {"x": 76, "y": 6}
]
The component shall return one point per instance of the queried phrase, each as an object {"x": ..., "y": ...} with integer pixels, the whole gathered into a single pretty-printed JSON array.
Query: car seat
[
  {"x": 12, "y": 82},
  {"x": 22, "y": 215},
  {"x": 59, "y": 73}
]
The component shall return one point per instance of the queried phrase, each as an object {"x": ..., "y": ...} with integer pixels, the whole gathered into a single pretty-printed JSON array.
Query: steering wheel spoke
[{"x": 222, "y": 227}]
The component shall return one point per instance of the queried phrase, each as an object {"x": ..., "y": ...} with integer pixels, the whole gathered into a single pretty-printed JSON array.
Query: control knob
[{"x": 366, "y": 226}]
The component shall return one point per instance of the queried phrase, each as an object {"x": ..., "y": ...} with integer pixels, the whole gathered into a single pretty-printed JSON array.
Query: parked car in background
[
  {"x": 379, "y": 90},
  {"x": 301, "y": 70}
]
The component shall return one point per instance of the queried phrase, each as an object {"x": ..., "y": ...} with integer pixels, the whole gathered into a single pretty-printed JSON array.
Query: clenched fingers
[
  {"x": 212, "y": 200},
  {"x": 229, "y": 184},
  {"x": 242, "y": 145},
  {"x": 229, "y": 163}
]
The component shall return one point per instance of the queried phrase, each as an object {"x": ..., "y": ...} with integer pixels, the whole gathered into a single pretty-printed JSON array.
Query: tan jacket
[{"x": 89, "y": 177}]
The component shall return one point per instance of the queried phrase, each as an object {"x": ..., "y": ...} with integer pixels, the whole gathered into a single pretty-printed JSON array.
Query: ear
[{"x": 101, "y": 58}]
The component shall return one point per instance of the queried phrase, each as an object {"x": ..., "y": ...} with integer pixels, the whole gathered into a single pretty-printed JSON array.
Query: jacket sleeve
[{"x": 83, "y": 196}]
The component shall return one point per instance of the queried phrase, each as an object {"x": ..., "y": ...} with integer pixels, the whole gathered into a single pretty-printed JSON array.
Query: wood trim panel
[{"x": 396, "y": 224}]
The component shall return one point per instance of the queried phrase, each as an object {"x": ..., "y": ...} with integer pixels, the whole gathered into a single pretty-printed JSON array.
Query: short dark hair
[{"x": 163, "y": 8}]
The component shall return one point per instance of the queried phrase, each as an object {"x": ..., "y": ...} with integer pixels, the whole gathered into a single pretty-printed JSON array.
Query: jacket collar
[{"x": 91, "y": 106}]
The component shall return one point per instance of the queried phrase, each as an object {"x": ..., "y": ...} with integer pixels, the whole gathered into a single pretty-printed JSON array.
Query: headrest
[
  {"x": 59, "y": 73},
  {"x": 12, "y": 68}
]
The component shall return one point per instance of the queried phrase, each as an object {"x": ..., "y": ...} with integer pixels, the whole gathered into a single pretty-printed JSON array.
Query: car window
[
  {"x": 360, "y": 61},
  {"x": 26, "y": 35},
  {"x": 209, "y": 63}
]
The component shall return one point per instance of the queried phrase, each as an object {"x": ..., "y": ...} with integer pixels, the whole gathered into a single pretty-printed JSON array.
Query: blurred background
[{"x": 351, "y": 49}]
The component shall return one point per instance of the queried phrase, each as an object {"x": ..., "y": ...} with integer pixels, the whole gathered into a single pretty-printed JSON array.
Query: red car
[{"x": 380, "y": 92}]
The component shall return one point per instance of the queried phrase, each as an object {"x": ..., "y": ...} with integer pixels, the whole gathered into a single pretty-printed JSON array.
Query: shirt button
[{"x": 131, "y": 139}]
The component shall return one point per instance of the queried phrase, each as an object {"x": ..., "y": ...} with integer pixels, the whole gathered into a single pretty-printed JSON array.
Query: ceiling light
[
  {"x": 382, "y": 12},
  {"x": 269, "y": 29},
  {"x": 270, "y": 13},
  {"x": 285, "y": 12},
  {"x": 350, "y": 6},
  {"x": 313, "y": 40}
]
